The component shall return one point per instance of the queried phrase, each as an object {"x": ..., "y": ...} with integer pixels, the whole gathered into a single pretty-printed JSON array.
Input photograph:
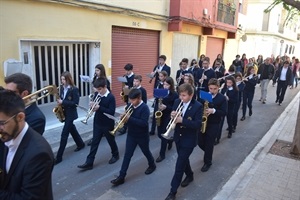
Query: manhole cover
[{"x": 282, "y": 148}]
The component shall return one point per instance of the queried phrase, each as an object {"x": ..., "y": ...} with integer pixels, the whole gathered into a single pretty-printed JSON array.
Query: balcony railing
[{"x": 226, "y": 13}]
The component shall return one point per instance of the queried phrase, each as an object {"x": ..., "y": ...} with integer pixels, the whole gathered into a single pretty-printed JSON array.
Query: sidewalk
[
  {"x": 52, "y": 134},
  {"x": 262, "y": 175}
]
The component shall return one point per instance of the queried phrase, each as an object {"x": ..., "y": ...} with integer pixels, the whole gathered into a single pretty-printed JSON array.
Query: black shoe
[
  {"x": 160, "y": 158},
  {"x": 113, "y": 159},
  {"x": 264, "y": 102},
  {"x": 187, "y": 181},
  {"x": 279, "y": 104},
  {"x": 276, "y": 100},
  {"x": 118, "y": 181},
  {"x": 170, "y": 144},
  {"x": 217, "y": 142},
  {"x": 151, "y": 133},
  {"x": 122, "y": 131},
  {"x": 233, "y": 129},
  {"x": 227, "y": 129},
  {"x": 57, "y": 160},
  {"x": 250, "y": 112},
  {"x": 79, "y": 148},
  {"x": 229, "y": 135},
  {"x": 90, "y": 142},
  {"x": 151, "y": 169},
  {"x": 205, "y": 167},
  {"x": 85, "y": 166},
  {"x": 243, "y": 118},
  {"x": 171, "y": 196}
]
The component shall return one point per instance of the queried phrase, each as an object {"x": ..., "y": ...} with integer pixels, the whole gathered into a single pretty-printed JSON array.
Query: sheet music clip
[
  {"x": 206, "y": 96},
  {"x": 122, "y": 79},
  {"x": 160, "y": 93},
  {"x": 85, "y": 78}
]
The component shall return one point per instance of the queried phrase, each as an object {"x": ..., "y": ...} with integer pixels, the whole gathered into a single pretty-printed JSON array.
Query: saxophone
[
  {"x": 204, "y": 117},
  {"x": 58, "y": 110},
  {"x": 158, "y": 114}
]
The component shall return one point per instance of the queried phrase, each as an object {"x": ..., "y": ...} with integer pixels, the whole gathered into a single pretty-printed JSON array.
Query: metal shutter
[
  {"x": 214, "y": 47},
  {"x": 138, "y": 47}
]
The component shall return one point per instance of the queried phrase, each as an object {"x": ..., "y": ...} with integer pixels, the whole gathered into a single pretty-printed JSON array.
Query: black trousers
[
  {"x": 182, "y": 166},
  {"x": 219, "y": 134},
  {"x": 236, "y": 114},
  {"x": 69, "y": 127},
  {"x": 281, "y": 89},
  {"x": 98, "y": 133},
  {"x": 206, "y": 141},
  {"x": 164, "y": 142},
  {"x": 247, "y": 101},
  {"x": 229, "y": 116}
]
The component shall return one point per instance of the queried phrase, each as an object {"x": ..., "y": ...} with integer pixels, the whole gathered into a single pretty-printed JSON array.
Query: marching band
[{"x": 178, "y": 116}]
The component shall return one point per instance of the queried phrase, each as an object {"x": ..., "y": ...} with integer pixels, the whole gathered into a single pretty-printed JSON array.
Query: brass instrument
[
  {"x": 46, "y": 91},
  {"x": 121, "y": 123},
  {"x": 91, "y": 111},
  {"x": 171, "y": 125},
  {"x": 204, "y": 117},
  {"x": 158, "y": 114},
  {"x": 202, "y": 79}
]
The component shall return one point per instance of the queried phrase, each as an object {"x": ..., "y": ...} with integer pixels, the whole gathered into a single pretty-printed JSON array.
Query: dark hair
[
  {"x": 128, "y": 67},
  {"x": 238, "y": 74},
  {"x": 207, "y": 59},
  {"x": 11, "y": 103},
  {"x": 100, "y": 82},
  {"x": 135, "y": 93},
  {"x": 214, "y": 81},
  {"x": 193, "y": 60},
  {"x": 231, "y": 68},
  {"x": 68, "y": 78},
  {"x": 249, "y": 70},
  {"x": 164, "y": 73},
  {"x": 238, "y": 56},
  {"x": 286, "y": 62},
  {"x": 102, "y": 70},
  {"x": 22, "y": 81},
  {"x": 191, "y": 78},
  {"x": 232, "y": 79},
  {"x": 185, "y": 60},
  {"x": 163, "y": 57},
  {"x": 170, "y": 81},
  {"x": 138, "y": 77},
  {"x": 185, "y": 87}
]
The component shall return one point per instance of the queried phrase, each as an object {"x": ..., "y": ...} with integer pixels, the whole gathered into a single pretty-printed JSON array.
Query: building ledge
[{"x": 265, "y": 33}]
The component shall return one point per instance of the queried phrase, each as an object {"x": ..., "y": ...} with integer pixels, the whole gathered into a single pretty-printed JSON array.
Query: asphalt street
[{"x": 71, "y": 183}]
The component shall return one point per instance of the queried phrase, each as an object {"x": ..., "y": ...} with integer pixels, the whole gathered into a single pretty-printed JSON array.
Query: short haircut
[
  {"x": 11, "y": 103},
  {"x": 207, "y": 59},
  {"x": 128, "y": 67},
  {"x": 138, "y": 77},
  {"x": 185, "y": 60},
  {"x": 238, "y": 56},
  {"x": 286, "y": 62},
  {"x": 185, "y": 87},
  {"x": 163, "y": 57},
  {"x": 22, "y": 81},
  {"x": 135, "y": 93},
  {"x": 214, "y": 81},
  {"x": 164, "y": 73},
  {"x": 100, "y": 82}
]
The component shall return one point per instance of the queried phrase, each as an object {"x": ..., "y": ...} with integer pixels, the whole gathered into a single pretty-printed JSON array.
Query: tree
[{"x": 291, "y": 6}]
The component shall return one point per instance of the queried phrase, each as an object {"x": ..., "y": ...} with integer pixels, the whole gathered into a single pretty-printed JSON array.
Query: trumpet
[
  {"x": 91, "y": 111},
  {"x": 158, "y": 114},
  {"x": 121, "y": 123},
  {"x": 171, "y": 125}
]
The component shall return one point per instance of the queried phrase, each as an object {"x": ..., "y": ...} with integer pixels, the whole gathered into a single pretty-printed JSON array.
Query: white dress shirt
[{"x": 185, "y": 106}]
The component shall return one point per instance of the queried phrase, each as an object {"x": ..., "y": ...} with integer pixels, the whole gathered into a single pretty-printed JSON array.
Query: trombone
[
  {"x": 91, "y": 111},
  {"x": 121, "y": 123},
  {"x": 45, "y": 91},
  {"x": 171, "y": 125}
]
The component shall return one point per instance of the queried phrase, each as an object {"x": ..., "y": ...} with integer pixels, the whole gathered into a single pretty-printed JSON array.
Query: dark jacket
[
  {"x": 186, "y": 133},
  {"x": 35, "y": 118},
  {"x": 220, "y": 105},
  {"x": 210, "y": 73},
  {"x": 29, "y": 176},
  {"x": 288, "y": 76},
  {"x": 165, "y": 68},
  {"x": 70, "y": 102},
  {"x": 270, "y": 71},
  {"x": 138, "y": 125}
]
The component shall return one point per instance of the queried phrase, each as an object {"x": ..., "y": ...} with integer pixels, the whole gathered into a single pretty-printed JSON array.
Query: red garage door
[
  {"x": 138, "y": 47},
  {"x": 214, "y": 47}
]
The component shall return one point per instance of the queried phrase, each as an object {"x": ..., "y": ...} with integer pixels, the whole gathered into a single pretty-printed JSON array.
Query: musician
[
  {"x": 137, "y": 84},
  {"x": 194, "y": 67},
  {"x": 249, "y": 91},
  {"x": 162, "y": 66},
  {"x": 22, "y": 85},
  {"x": 189, "y": 78},
  {"x": 239, "y": 65},
  {"x": 166, "y": 108},
  {"x": 217, "y": 109},
  {"x": 69, "y": 99},
  {"x": 185, "y": 136},
  {"x": 102, "y": 124},
  {"x": 231, "y": 92},
  {"x": 99, "y": 73},
  {"x": 201, "y": 60},
  {"x": 28, "y": 158},
  {"x": 162, "y": 77},
  {"x": 129, "y": 84},
  {"x": 183, "y": 70},
  {"x": 220, "y": 59},
  {"x": 230, "y": 72},
  {"x": 284, "y": 78},
  {"x": 241, "y": 85},
  {"x": 137, "y": 135},
  {"x": 204, "y": 75},
  {"x": 219, "y": 68}
]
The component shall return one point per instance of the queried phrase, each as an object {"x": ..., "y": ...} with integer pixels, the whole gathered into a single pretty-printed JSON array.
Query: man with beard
[{"x": 25, "y": 172}]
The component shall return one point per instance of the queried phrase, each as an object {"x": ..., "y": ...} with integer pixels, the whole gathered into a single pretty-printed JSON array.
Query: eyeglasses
[{"x": 2, "y": 124}]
